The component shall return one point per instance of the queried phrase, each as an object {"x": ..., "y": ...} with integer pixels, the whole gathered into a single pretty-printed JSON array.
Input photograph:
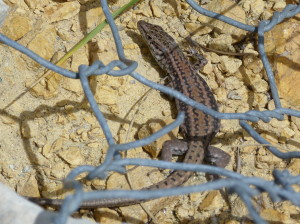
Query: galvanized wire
[{"x": 279, "y": 189}]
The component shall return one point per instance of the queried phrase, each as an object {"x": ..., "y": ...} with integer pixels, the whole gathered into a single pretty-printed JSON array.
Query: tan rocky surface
[
  {"x": 43, "y": 138},
  {"x": 284, "y": 54}
]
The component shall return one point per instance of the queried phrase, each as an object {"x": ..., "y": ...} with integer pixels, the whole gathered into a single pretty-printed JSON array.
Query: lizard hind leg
[
  {"x": 216, "y": 157},
  {"x": 173, "y": 147}
]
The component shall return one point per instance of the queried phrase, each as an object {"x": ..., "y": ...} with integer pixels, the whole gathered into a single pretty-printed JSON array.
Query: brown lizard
[{"x": 198, "y": 128}]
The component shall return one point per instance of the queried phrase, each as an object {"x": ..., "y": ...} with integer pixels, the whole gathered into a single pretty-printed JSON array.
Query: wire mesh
[{"x": 246, "y": 188}]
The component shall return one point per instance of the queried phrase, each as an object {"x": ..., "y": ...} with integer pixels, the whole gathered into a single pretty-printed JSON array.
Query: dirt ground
[{"x": 51, "y": 129}]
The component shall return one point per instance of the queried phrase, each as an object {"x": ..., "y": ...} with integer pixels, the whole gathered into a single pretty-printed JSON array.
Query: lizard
[{"x": 198, "y": 128}]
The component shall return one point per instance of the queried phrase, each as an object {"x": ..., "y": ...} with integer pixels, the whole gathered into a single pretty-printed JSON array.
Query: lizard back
[{"x": 185, "y": 79}]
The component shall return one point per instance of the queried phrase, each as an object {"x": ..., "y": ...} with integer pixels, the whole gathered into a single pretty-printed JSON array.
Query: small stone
[
  {"x": 275, "y": 216},
  {"x": 266, "y": 15},
  {"x": 79, "y": 57},
  {"x": 238, "y": 207},
  {"x": 182, "y": 213},
  {"x": 146, "y": 11},
  {"x": 69, "y": 108},
  {"x": 29, "y": 187},
  {"x": 214, "y": 58},
  {"x": 98, "y": 184},
  {"x": 7, "y": 119},
  {"x": 197, "y": 29},
  {"x": 279, "y": 5},
  {"x": 94, "y": 145},
  {"x": 93, "y": 16},
  {"x": 270, "y": 137},
  {"x": 74, "y": 137},
  {"x": 194, "y": 197},
  {"x": 254, "y": 10},
  {"x": 193, "y": 16},
  {"x": 232, "y": 10},
  {"x": 90, "y": 119},
  {"x": 260, "y": 100},
  {"x": 207, "y": 69},
  {"x": 250, "y": 49},
  {"x": 229, "y": 65},
  {"x": 58, "y": 170},
  {"x": 169, "y": 12},
  {"x": 296, "y": 121},
  {"x": 294, "y": 166},
  {"x": 260, "y": 86},
  {"x": 287, "y": 133},
  {"x": 39, "y": 159},
  {"x": 252, "y": 62},
  {"x": 79, "y": 131},
  {"x": 73, "y": 85},
  {"x": 33, "y": 4},
  {"x": 16, "y": 26},
  {"x": 221, "y": 94},
  {"x": 62, "y": 11},
  {"x": 257, "y": 8},
  {"x": 72, "y": 156},
  {"x": 106, "y": 95},
  {"x": 129, "y": 46},
  {"x": 229, "y": 126},
  {"x": 43, "y": 44},
  {"x": 222, "y": 42},
  {"x": 155, "y": 147},
  {"x": 212, "y": 201},
  {"x": 184, "y": 5},
  {"x": 269, "y": 159},
  {"x": 283, "y": 44},
  {"x": 155, "y": 9},
  {"x": 280, "y": 124},
  {"x": 7, "y": 170},
  {"x": 84, "y": 136},
  {"x": 233, "y": 95},
  {"x": 57, "y": 145},
  {"x": 107, "y": 216},
  {"x": 61, "y": 119},
  {"x": 46, "y": 150},
  {"x": 232, "y": 83}
]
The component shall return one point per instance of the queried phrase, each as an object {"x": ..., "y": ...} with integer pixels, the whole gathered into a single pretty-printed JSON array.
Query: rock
[
  {"x": 62, "y": 11},
  {"x": 272, "y": 215},
  {"x": 155, "y": 147},
  {"x": 197, "y": 29},
  {"x": 232, "y": 10},
  {"x": 281, "y": 42},
  {"x": 33, "y": 4},
  {"x": 254, "y": 7},
  {"x": 107, "y": 216},
  {"x": 155, "y": 9},
  {"x": 229, "y": 65},
  {"x": 42, "y": 44},
  {"x": 232, "y": 83},
  {"x": 72, "y": 155},
  {"x": 16, "y": 26},
  {"x": 29, "y": 187},
  {"x": 212, "y": 201},
  {"x": 93, "y": 17}
]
